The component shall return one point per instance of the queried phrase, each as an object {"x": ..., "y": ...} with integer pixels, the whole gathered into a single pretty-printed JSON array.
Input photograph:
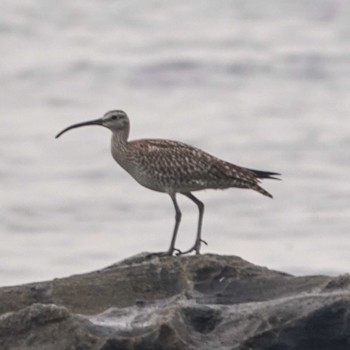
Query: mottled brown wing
[{"x": 184, "y": 164}]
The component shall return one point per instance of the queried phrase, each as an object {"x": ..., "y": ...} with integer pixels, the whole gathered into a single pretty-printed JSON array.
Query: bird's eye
[{"x": 114, "y": 117}]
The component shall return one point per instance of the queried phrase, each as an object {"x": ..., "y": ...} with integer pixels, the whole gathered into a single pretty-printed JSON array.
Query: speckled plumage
[
  {"x": 174, "y": 167},
  {"x": 171, "y": 166}
]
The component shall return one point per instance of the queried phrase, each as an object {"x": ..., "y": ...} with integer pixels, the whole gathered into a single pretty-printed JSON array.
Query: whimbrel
[{"x": 174, "y": 167}]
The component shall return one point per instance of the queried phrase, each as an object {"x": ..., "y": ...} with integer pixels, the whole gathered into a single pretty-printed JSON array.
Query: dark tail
[{"x": 265, "y": 174}]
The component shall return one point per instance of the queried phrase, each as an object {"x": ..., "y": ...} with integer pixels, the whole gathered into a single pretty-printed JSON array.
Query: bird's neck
[{"x": 119, "y": 142}]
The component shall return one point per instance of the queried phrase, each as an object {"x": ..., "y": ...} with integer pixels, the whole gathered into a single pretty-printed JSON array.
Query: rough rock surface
[{"x": 194, "y": 302}]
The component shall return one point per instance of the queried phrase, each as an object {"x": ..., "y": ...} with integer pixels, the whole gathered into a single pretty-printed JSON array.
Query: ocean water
[{"x": 264, "y": 85}]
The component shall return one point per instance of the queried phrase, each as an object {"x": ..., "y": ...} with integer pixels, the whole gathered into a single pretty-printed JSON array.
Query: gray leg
[
  {"x": 172, "y": 248},
  {"x": 177, "y": 223},
  {"x": 197, "y": 244}
]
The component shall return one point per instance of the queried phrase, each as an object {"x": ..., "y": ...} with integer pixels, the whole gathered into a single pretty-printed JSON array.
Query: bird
[{"x": 174, "y": 167}]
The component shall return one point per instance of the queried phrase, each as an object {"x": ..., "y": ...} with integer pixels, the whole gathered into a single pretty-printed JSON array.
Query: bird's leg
[
  {"x": 197, "y": 244},
  {"x": 172, "y": 248},
  {"x": 176, "y": 227}
]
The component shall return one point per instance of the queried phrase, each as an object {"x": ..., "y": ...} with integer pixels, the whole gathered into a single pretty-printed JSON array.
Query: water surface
[{"x": 261, "y": 84}]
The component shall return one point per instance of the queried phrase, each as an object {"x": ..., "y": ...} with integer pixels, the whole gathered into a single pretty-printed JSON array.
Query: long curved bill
[{"x": 91, "y": 122}]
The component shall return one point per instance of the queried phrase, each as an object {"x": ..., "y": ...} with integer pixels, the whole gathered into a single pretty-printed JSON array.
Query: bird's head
[{"x": 115, "y": 120}]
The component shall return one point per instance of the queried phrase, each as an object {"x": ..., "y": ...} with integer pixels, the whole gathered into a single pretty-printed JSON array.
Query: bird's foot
[
  {"x": 169, "y": 252},
  {"x": 196, "y": 247}
]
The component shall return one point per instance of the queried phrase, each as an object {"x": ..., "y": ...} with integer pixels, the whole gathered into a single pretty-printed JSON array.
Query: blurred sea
[{"x": 263, "y": 84}]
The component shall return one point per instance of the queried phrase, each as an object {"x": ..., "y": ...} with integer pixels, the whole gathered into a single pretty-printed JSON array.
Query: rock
[{"x": 192, "y": 302}]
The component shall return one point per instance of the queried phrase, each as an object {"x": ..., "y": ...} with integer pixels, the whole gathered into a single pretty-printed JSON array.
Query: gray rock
[{"x": 194, "y": 302}]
